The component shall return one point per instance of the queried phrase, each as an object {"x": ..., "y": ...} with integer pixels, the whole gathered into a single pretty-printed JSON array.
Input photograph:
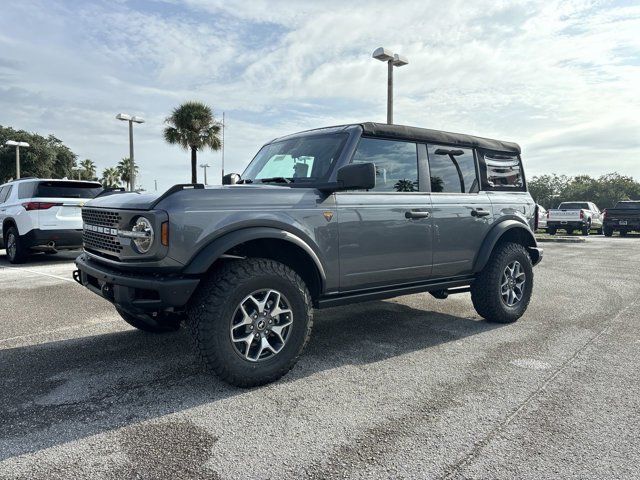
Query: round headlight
[{"x": 143, "y": 242}]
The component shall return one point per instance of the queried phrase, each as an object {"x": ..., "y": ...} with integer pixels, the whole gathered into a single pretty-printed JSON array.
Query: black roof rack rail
[{"x": 177, "y": 188}]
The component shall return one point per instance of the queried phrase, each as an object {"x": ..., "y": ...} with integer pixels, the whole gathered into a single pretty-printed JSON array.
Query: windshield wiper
[{"x": 275, "y": 180}]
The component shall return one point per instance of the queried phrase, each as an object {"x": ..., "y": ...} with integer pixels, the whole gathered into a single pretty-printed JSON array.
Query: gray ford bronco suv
[{"x": 318, "y": 219}]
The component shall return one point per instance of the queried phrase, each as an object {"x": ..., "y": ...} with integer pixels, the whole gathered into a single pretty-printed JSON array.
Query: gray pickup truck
[{"x": 318, "y": 219}]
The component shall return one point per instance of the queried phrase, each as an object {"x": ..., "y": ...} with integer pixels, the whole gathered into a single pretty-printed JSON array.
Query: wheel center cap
[{"x": 261, "y": 324}]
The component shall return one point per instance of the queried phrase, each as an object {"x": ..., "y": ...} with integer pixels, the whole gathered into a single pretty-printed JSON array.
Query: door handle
[
  {"x": 416, "y": 214},
  {"x": 479, "y": 212}
]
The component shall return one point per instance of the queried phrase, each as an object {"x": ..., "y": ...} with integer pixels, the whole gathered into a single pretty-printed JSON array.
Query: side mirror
[
  {"x": 357, "y": 176},
  {"x": 230, "y": 179}
]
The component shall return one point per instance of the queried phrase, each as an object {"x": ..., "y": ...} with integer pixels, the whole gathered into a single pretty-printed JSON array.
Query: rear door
[
  {"x": 385, "y": 233},
  {"x": 462, "y": 214},
  {"x": 59, "y": 203}
]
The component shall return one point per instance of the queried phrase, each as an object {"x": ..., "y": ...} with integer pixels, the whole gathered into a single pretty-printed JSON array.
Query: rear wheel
[
  {"x": 586, "y": 230},
  {"x": 162, "y": 323},
  {"x": 16, "y": 251},
  {"x": 608, "y": 232},
  {"x": 502, "y": 291},
  {"x": 599, "y": 231},
  {"x": 251, "y": 320},
  {"x": 623, "y": 233},
  {"x": 551, "y": 231}
]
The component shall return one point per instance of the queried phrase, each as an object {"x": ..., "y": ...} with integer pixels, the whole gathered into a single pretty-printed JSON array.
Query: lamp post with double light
[
  {"x": 131, "y": 119},
  {"x": 13, "y": 143},
  {"x": 393, "y": 60}
]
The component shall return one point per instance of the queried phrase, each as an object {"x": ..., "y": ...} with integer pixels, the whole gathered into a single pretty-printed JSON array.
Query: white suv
[{"x": 42, "y": 215}]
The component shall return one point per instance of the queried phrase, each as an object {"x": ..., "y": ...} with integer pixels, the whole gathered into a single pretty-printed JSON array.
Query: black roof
[{"x": 437, "y": 136}]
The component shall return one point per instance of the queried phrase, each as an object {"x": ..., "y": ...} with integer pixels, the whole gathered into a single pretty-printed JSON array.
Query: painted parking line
[{"x": 37, "y": 272}]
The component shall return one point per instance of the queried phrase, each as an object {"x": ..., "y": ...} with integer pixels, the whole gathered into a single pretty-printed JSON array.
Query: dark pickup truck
[{"x": 624, "y": 217}]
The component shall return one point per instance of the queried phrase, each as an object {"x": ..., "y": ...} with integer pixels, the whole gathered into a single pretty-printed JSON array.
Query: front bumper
[{"x": 135, "y": 292}]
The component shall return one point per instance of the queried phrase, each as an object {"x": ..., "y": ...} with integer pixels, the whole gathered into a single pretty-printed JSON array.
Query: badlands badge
[{"x": 328, "y": 215}]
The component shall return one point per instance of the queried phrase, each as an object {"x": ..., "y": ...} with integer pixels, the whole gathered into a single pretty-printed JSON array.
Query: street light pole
[
  {"x": 13, "y": 143},
  {"x": 222, "y": 147},
  {"x": 393, "y": 60},
  {"x": 204, "y": 167},
  {"x": 131, "y": 119}
]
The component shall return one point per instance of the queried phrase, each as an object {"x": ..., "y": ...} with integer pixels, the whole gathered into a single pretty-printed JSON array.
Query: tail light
[
  {"x": 581, "y": 214},
  {"x": 40, "y": 205}
]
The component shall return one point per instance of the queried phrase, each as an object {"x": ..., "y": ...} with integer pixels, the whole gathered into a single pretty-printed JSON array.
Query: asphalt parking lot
[{"x": 409, "y": 388}]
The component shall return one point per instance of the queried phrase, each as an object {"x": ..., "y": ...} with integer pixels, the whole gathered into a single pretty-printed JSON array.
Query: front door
[
  {"x": 385, "y": 233},
  {"x": 462, "y": 215}
]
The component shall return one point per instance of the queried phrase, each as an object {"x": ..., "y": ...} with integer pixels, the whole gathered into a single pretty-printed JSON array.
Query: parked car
[
  {"x": 42, "y": 215},
  {"x": 624, "y": 218},
  {"x": 570, "y": 216},
  {"x": 542, "y": 218},
  {"x": 319, "y": 218}
]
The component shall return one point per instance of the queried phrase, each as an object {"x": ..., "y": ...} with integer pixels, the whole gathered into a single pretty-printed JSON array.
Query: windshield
[
  {"x": 303, "y": 159},
  {"x": 573, "y": 206},
  {"x": 629, "y": 205}
]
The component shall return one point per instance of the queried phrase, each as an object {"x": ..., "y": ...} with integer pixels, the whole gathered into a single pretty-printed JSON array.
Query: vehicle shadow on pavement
[{"x": 62, "y": 391}]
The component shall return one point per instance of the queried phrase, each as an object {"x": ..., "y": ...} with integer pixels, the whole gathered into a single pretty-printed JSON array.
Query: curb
[{"x": 560, "y": 239}]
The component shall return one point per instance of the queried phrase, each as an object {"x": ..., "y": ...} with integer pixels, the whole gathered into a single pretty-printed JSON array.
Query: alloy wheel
[
  {"x": 261, "y": 325},
  {"x": 512, "y": 284}
]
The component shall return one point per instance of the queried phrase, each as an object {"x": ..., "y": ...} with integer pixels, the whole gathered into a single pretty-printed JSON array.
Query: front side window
[
  {"x": 303, "y": 159},
  {"x": 452, "y": 170},
  {"x": 396, "y": 163},
  {"x": 502, "y": 172}
]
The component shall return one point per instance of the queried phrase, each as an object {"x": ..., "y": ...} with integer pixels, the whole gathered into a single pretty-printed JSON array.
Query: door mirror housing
[
  {"x": 230, "y": 179},
  {"x": 356, "y": 176}
]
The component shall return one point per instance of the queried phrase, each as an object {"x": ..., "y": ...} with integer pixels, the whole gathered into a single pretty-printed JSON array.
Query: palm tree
[
  {"x": 89, "y": 168},
  {"x": 193, "y": 127},
  {"x": 110, "y": 177},
  {"x": 124, "y": 170}
]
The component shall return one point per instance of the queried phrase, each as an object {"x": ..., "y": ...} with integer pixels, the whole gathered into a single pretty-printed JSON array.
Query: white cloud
[{"x": 560, "y": 78}]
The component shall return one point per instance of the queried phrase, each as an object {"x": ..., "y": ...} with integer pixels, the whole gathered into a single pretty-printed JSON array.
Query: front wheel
[
  {"x": 251, "y": 320},
  {"x": 502, "y": 291},
  {"x": 551, "y": 231},
  {"x": 608, "y": 232},
  {"x": 586, "y": 230}
]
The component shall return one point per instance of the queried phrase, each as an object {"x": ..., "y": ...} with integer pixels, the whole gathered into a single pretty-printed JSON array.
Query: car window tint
[
  {"x": 25, "y": 189},
  {"x": 4, "y": 193},
  {"x": 62, "y": 189},
  {"x": 396, "y": 163},
  {"x": 452, "y": 170}
]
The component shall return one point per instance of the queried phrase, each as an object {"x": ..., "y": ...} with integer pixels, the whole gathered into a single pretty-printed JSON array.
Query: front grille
[
  {"x": 100, "y": 241},
  {"x": 103, "y": 218}
]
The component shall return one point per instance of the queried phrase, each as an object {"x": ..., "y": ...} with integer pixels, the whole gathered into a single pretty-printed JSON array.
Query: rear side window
[
  {"x": 501, "y": 172},
  {"x": 25, "y": 189},
  {"x": 396, "y": 163},
  {"x": 452, "y": 170},
  {"x": 67, "y": 190}
]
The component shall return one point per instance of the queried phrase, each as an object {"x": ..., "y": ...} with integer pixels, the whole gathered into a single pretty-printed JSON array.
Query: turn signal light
[
  {"x": 40, "y": 205},
  {"x": 164, "y": 234}
]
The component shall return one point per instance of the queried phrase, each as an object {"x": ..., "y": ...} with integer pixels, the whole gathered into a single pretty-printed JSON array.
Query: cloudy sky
[{"x": 560, "y": 78}]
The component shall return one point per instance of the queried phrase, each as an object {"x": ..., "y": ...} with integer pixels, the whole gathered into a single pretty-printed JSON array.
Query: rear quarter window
[
  {"x": 66, "y": 190},
  {"x": 25, "y": 189},
  {"x": 501, "y": 171}
]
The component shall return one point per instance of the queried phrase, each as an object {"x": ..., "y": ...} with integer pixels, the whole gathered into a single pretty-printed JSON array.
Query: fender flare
[
  {"x": 201, "y": 262},
  {"x": 494, "y": 236}
]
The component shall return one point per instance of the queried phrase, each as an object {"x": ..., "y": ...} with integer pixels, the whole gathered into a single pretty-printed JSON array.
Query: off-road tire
[
  {"x": 211, "y": 310},
  {"x": 608, "y": 232},
  {"x": 21, "y": 252},
  {"x": 163, "y": 323},
  {"x": 485, "y": 290}
]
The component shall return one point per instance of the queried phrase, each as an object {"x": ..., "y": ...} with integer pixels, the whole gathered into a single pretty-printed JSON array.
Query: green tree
[
  {"x": 46, "y": 157},
  {"x": 547, "y": 189},
  {"x": 124, "y": 171},
  {"x": 88, "y": 169},
  {"x": 110, "y": 177},
  {"x": 193, "y": 127}
]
